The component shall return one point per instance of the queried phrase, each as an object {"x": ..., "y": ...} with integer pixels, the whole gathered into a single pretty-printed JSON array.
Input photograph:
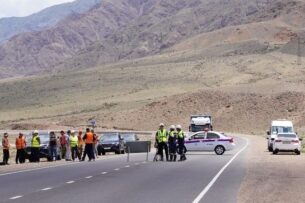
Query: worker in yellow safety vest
[
  {"x": 74, "y": 145},
  {"x": 35, "y": 148},
  {"x": 161, "y": 140}
]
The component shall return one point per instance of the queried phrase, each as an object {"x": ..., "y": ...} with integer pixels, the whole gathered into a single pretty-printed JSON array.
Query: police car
[{"x": 209, "y": 141}]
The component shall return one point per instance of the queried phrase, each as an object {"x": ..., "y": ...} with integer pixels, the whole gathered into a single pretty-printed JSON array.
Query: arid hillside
[{"x": 120, "y": 30}]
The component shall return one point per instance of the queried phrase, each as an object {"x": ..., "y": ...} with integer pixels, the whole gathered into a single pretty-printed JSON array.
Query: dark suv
[
  {"x": 44, "y": 146},
  {"x": 111, "y": 142}
]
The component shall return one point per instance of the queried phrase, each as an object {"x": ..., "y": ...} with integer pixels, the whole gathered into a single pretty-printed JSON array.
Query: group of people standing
[
  {"x": 69, "y": 145},
  {"x": 172, "y": 142}
]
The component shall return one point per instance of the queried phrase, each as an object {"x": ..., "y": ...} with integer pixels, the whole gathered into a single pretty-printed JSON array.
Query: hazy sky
[{"x": 10, "y": 8}]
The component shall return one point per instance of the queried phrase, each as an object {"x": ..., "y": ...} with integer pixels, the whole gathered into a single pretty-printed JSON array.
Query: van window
[{"x": 281, "y": 129}]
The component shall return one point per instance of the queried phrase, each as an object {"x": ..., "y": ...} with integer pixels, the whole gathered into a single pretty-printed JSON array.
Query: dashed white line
[
  {"x": 45, "y": 189},
  {"x": 16, "y": 197},
  {"x": 70, "y": 182},
  {"x": 88, "y": 177},
  {"x": 127, "y": 166},
  {"x": 117, "y": 169},
  {"x": 207, "y": 188},
  {"x": 103, "y": 173}
]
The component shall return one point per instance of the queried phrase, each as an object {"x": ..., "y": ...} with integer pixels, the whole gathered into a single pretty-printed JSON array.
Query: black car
[
  {"x": 44, "y": 147},
  {"x": 111, "y": 142}
]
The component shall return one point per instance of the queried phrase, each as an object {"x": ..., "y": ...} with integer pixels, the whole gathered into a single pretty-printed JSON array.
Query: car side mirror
[
  {"x": 190, "y": 138},
  {"x": 301, "y": 139},
  {"x": 268, "y": 132},
  {"x": 272, "y": 139},
  {"x": 137, "y": 139},
  {"x": 267, "y": 138}
]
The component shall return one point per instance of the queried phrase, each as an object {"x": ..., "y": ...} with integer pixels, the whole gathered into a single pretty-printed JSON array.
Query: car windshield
[
  {"x": 197, "y": 128},
  {"x": 44, "y": 138},
  {"x": 129, "y": 137},
  {"x": 109, "y": 138},
  {"x": 281, "y": 129},
  {"x": 287, "y": 135}
]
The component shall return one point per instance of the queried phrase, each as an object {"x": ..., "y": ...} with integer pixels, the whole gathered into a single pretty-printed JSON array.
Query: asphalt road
[{"x": 114, "y": 180}]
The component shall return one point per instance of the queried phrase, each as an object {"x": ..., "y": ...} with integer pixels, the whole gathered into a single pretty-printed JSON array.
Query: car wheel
[
  {"x": 49, "y": 158},
  {"x": 297, "y": 152},
  {"x": 275, "y": 151},
  {"x": 103, "y": 153},
  {"x": 219, "y": 150},
  {"x": 99, "y": 153}
]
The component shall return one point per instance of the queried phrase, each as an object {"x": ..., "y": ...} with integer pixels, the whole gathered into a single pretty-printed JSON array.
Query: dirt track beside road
[{"x": 272, "y": 178}]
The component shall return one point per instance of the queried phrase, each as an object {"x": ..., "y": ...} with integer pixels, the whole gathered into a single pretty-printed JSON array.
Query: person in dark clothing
[
  {"x": 181, "y": 147},
  {"x": 172, "y": 143},
  {"x": 89, "y": 140},
  {"x": 53, "y": 146},
  {"x": 6, "y": 149}
]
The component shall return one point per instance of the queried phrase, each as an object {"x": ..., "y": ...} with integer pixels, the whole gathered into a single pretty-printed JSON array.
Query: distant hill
[
  {"x": 43, "y": 19},
  {"x": 126, "y": 29}
]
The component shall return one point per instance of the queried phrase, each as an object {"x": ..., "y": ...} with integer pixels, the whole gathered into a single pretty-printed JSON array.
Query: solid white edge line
[
  {"x": 70, "y": 182},
  {"x": 88, "y": 177},
  {"x": 45, "y": 189},
  {"x": 208, "y": 187},
  {"x": 103, "y": 173},
  {"x": 117, "y": 169},
  {"x": 127, "y": 166},
  {"x": 16, "y": 197}
]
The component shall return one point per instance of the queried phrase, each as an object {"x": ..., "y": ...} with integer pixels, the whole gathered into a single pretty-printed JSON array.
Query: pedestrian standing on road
[
  {"x": 89, "y": 140},
  {"x": 95, "y": 143},
  {"x": 6, "y": 149},
  {"x": 161, "y": 140},
  {"x": 53, "y": 146},
  {"x": 20, "y": 146},
  {"x": 63, "y": 144},
  {"x": 181, "y": 147},
  {"x": 80, "y": 144},
  {"x": 68, "y": 147},
  {"x": 35, "y": 148},
  {"x": 73, "y": 144},
  {"x": 172, "y": 143}
]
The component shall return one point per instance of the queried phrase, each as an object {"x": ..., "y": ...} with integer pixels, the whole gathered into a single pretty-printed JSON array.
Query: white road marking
[
  {"x": 16, "y": 197},
  {"x": 127, "y": 166},
  {"x": 103, "y": 173},
  {"x": 117, "y": 169},
  {"x": 208, "y": 187},
  {"x": 45, "y": 189},
  {"x": 48, "y": 167},
  {"x": 70, "y": 182},
  {"x": 88, "y": 177}
]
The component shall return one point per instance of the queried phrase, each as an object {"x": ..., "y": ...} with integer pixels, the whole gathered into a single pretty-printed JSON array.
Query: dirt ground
[{"x": 272, "y": 178}]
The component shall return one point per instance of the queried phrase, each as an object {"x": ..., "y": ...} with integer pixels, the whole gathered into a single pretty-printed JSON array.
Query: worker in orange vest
[
  {"x": 89, "y": 140},
  {"x": 20, "y": 146},
  {"x": 6, "y": 149},
  {"x": 80, "y": 144}
]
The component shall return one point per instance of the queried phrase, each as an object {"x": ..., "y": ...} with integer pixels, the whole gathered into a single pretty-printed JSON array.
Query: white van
[{"x": 278, "y": 126}]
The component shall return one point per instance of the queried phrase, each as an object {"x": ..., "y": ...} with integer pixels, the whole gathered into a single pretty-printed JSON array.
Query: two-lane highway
[{"x": 204, "y": 177}]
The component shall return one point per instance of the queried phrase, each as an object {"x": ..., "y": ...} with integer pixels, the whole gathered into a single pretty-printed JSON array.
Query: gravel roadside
[{"x": 272, "y": 178}]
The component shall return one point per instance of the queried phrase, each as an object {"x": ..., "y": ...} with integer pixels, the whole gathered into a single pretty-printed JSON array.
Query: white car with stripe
[{"x": 209, "y": 141}]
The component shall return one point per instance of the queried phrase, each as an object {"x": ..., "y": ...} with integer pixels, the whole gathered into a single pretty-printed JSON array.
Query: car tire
[
  {"x": 103, "y": 153},
  {"x": 275, "y": 151},
  {"x": 219, "y": 150},
  {"x": 298, "y": 152},
  {"x": 99, "y": 153}
]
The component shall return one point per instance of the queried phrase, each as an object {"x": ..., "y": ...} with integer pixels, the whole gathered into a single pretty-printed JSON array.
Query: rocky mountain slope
[
  {"x": 44, "y": 19},
  {"x": 119, "y": 30}
]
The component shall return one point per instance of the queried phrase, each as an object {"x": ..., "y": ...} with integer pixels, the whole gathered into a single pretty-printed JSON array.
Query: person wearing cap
[
  {"x": 53, "y": 146},
  {"x": 20, "y": 146},
  {"x": 73, "y": 144},
  {"x": 172, "y": 143},
  {"x": 35, "y": 148},
  {"x": 161, "y": 140},
  {"x": 181, "y": 147},
  {"x": 6, "y": 149},
  {"x": 80, "y": 144}
]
